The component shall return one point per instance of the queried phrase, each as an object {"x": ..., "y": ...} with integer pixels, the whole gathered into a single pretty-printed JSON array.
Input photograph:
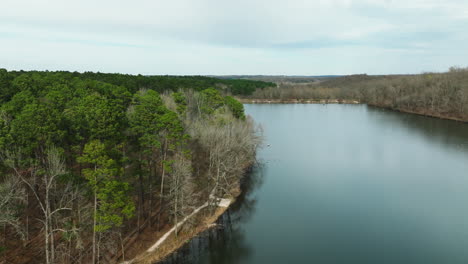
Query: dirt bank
[
  {"x": 205, "y": 217},
  {"x": 424, "y": 112}
]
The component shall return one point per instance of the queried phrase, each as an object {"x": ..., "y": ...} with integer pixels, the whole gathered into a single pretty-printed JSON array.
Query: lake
[{"x": 347, "y": 184}]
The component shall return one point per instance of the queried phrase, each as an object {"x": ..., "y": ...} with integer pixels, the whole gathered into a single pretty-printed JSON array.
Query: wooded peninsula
[{"x": 93, "y": 164}]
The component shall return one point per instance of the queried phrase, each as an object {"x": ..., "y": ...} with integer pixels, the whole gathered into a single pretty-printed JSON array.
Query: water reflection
[
  {"x": 434, "y": 130},
  {"x": 225, "y": 243},
  {"x": 347, "y": 184}
]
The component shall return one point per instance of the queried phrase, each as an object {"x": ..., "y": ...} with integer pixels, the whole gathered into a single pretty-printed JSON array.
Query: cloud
[{"x": 260, "y": 33}]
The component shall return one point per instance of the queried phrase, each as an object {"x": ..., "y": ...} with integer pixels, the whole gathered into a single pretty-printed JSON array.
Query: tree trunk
[
  {"x": 162, "y": 182},
  {"x": 94, "y": 225},
  {"x": 141, "y": 196},
  {"x": 98, "y": 248},
  {"x": 47, "y": 222},
  {"x": 122, "y": 246}
]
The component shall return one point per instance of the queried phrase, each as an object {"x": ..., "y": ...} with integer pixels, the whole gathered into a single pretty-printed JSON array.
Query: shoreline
[
  {"x": 171, "y": 244},
  {"x": 421, "y": 113},
  {"x": 296, "y": 101},
  {"x": 341, "y": 101}
]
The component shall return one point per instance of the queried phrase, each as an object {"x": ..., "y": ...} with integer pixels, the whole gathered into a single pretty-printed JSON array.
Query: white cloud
[{"x": 214, "y": 37}]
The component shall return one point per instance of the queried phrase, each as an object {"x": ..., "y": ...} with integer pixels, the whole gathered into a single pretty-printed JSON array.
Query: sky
[{"x": 224, "y": 37}]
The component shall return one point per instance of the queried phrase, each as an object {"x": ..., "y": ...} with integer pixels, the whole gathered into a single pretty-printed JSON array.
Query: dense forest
[
  {"x": 434, "y": 94},
  {"x": 87, "y": 160}
]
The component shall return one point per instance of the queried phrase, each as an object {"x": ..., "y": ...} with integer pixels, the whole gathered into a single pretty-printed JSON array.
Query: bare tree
[
  {"x": 181, "y": 190},
  {"x": 231, "y": 145},
  {"x": 12, "y": 195},
  {"x": 51, "y": 200}
]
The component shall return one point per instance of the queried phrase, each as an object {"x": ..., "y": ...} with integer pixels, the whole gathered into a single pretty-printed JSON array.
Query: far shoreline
[
  {"x": 296, "y": 101},
  {"x": 342, "y": 101}
]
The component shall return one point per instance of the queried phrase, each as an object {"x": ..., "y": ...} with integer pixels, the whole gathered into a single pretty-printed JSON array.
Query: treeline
[
  {"x": 9, "y": 85},
  {"x": 163, "y": 83},
  {"x": 436, "y": 94},
  {"x": 292, "y": 91},
  {"x": 88, "y": 160}
]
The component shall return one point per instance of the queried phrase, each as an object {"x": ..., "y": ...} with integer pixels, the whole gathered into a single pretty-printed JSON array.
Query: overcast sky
[{"x": 293, "y": 37}]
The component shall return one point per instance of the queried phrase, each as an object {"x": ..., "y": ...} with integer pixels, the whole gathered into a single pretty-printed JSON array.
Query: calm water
[{"x": 348, "y": 184}]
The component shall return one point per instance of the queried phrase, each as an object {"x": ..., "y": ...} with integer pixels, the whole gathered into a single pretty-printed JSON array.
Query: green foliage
[
  {"x": 172, "y": 129},
  {"x": 212, "y": 100},
  {"x": 181, "y": 102},
  {"x": 19, "y": 100},
  {"x": 38, "y": 125},
  {"x": 6, "y": 89},
  {"x": 95, "y": 117},
  {"x": 115, "y": 205},
  {"x": 4, "y": 130},
  {"x": 94, "y": 153},
  {"x": 151, "y": 121},
  {"x": 24, "y": 82},
  {"x": 114, "y": 202},
  {"x": 114, "y": 132},
  {"x": 174, "y": 83},
  {"x": 235, "y": 106},
  {"x": 144, "y": 117},
  {"x": 247, "y": 87}
]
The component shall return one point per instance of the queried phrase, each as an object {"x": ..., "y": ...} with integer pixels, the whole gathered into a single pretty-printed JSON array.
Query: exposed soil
[{"x": 205, "y": 219}]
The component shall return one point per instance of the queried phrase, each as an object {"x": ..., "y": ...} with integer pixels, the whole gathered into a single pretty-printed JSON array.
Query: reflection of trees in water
[
  {"x": 226, "y": 242},
  {"x": 226, "y": 245},
  {"x": 435, "y": 130},
  {"x": 244, "y": 207}
]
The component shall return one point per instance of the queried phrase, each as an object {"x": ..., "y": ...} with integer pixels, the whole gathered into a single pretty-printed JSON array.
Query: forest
[
  {"x": 442, "y": 95},
  {"x": 89, "y": 160}
]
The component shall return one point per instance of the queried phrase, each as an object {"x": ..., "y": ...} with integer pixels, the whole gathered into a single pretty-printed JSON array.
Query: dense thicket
[
  {"x": 88, "y": 160},
  {"x": 436, "y": 94}
]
